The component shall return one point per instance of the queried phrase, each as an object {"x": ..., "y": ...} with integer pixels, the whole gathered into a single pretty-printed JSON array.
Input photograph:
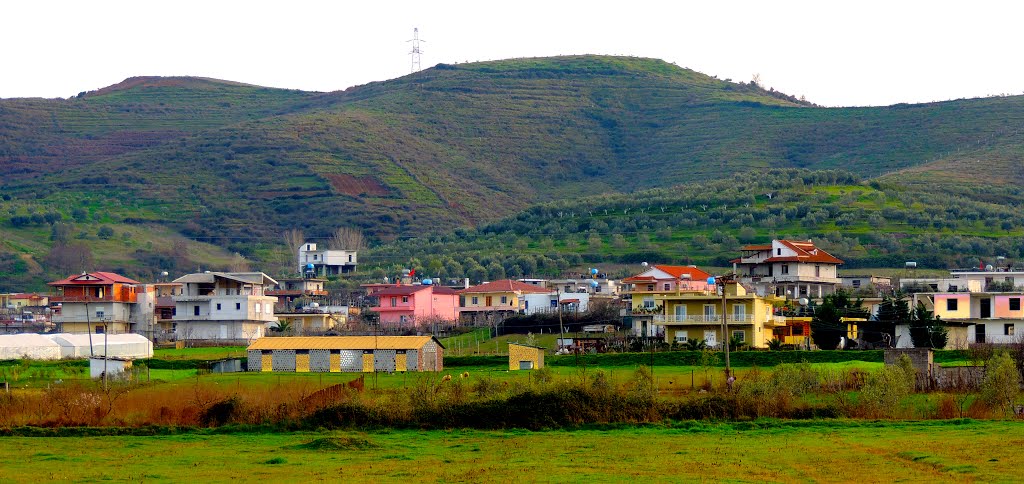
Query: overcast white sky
[{"x": 836, "y": 53}]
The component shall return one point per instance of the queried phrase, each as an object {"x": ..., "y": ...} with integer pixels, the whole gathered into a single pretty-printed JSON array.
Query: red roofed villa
[
  {"x": 95, "y": 302},
  {"x": 790, "y": 268}
]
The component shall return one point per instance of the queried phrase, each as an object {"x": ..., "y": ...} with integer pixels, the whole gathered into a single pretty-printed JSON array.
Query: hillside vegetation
[
  {"x": 234, "y": 165},
  {"x": 868, "y": 223}
]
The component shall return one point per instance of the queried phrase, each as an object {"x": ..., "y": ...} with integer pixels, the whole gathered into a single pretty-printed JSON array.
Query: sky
[{"x": 835, "y": 53}]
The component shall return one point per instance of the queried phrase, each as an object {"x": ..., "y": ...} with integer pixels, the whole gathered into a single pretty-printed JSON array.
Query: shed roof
[
  {"x": 243, "y": 277},
  {"x": 94, "y": 278},
  {"x": 343, "y": 343}
]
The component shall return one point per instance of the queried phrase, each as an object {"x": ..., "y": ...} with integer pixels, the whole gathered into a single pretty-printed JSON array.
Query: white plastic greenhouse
[{"x": 73, "y": 346}]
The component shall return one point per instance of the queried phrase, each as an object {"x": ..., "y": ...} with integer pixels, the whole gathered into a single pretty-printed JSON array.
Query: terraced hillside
[{"x": 452, "y": 146}]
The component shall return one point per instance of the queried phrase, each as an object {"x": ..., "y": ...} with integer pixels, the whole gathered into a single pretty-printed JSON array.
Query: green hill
[{"x": 453, "y": 146}]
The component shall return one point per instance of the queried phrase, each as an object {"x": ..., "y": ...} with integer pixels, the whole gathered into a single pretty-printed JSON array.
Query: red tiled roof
[
  {"x": 505, "y": 285},
  {"x": 104, "y": 278},
  {"x": 678, "y": 271},
  {"x": 399, "y": 290},
  {"x": 807, "y": 252}
]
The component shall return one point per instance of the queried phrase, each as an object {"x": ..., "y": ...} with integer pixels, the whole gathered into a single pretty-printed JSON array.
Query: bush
[
  {"x": 1001, "y": 385},
  {"x": 884, "y": 390}
]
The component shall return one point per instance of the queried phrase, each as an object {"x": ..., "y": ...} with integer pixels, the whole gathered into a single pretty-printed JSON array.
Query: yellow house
[
  {"x": 646, "y": 293},
  {"x": 698, "y": 315},
  {"x": 525, "y": 357},
  {"x": 495, "y": 301}
]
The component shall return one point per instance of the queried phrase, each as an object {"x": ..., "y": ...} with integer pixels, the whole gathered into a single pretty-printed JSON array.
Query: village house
[
  {"x": 410, "y": 306},
  {"x": 645, "y": 293},
  {"x": 326, "y": 262},
  {"x": 294, "y": 293},
  {"x": 793, "y": 269},
  {"x": 227, "y": 307},
  {"x": 95, "y": 302},
  {"x": 697, "y": 314},
  {"x": 492, "y": 302}
]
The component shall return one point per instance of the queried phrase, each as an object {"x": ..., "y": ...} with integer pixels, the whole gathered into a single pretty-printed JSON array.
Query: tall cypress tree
[
  {"x": 927, "y": 330},
  {"x": 893, "y": 311}
]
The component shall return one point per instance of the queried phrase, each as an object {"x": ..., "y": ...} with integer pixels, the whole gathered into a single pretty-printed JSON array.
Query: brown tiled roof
[{"x": 505, "y": 285}]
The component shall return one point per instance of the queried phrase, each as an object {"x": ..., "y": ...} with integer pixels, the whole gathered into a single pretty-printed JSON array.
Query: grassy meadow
[{"x": 761, "y": 451}]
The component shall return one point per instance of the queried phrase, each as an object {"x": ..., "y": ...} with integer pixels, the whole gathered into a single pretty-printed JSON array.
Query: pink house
[{"x": 409, "y": 306}]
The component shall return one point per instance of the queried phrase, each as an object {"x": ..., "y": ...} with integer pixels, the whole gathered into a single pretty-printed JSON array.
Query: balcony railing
[{"x": 702, "y": 319}]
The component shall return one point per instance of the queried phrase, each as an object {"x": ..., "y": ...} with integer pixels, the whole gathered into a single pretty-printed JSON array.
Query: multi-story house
[
  {"x": 793, "y": 269},
  {"x": 973, "y": 317},
  {"x": 645, "y": 291},
  {"x": 229, "y": 307},
  {"x": 326, "y": 262},
  {"x": 409, "y": 306},
  {"x": 494, "y": 301},
  {"x": 95, "y": 302},
  {"x": 697, "y": 314},
  {"x": 164, "y": 310},
  {"x": 293, "y": 292}
]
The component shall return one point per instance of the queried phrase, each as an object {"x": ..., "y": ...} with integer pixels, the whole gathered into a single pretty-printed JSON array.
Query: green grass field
[{"x": 761, "y": 451}]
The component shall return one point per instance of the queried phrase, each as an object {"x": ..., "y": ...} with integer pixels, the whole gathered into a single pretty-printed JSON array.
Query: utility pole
[
  {"x": 723, "y": 281},
  {"x": 561, "y": 329}
]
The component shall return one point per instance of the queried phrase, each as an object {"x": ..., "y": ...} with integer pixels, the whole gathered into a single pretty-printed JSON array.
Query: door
[
  {"x": 979, "y": 333},
  {"x": 986, "y": 308},
  {"x": 487, "y": 301},
  {"x": 680, "y": 313},
  {"x": 710, "y": 337}
]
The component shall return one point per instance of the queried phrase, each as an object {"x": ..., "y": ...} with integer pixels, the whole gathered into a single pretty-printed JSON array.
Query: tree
[
  {"x": 827, "y": 326},
  {"x": 927, "y": 330},
  {"x": 495, "y": 271},
  {"x": 1001, "y": 385},
  {"x": 239, "y": 263},
  {"x": 894, "y": 310},
  {"x": 67, "y": 258},
  {"x": 293, "y": 239},
  {"x": 348, "y": 238},
  {"x": 105, "y": 232}
]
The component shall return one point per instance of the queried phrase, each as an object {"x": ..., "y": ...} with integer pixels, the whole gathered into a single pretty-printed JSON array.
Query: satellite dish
[
  {"x": 989, "y": 268},
  {"x": 164, "y": 274},
  {"x": 643, "y": 264},
  {"x": 803, "y": 301},
  {"x": 911, "y": 264}
]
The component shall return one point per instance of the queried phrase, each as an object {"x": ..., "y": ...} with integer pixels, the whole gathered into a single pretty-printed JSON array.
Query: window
[
  {"x": 1014, "y": 304},
  {"x": 350, "y": 257},
  {"x": 648, "y": 303},
  {"x": 778, "y": 251},
  {"x": 953, "y": 288},
  {"x": 951, "y": 304},
  {"x": 1008, "y": 329},
  {"x": 650, "y": 287},
  {"x": 314, "y": 256},
  {"x": 682, "y": 336},
  {"x": 476, "y": 300},
  {"x": 785, "y": 268},
  {"x": 667, "y": 286},
  {"x": 740, "y": 335},
  {"x": 817, "y": 270},
  {"x": 504, "y": 299},
  {"x": 739, "y": 312},
  {"x": 680, "y": 311},
  {"x": 259, "y": 309},
  {"x": 218, "y": 306},
  {"x": 99, "y": 329},
  {"x": 554, "y": 302},
  {"x": 195, "y": 310},
  {"x": 100, "y": 314},
  {"x": 709, "y": 312},
  {"x": 405, "y": 299},
  {"x": 238, "y": 306},
  {"x": 856, "y": 283},
  {"x": 798, "y": 330},
  {"x": 394, "y": 301}
]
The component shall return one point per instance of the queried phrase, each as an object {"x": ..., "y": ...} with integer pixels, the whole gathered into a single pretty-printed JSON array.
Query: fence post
[{"x": 7, "y": 387}]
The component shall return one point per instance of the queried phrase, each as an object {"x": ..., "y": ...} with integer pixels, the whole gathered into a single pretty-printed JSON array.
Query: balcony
[{"x": 702, "y": 319}]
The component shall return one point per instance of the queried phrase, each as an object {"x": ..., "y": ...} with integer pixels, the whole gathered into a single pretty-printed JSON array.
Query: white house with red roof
[
  {"x": 409, "y": 306},
  {"x": 788, "y": 268},
  {"x": 645, "y": 289},
  {"x": 494, "y": 301}
]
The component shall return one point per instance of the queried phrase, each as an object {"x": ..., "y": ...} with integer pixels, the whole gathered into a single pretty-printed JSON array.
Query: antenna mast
[{"x": 415, "y": 53}]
